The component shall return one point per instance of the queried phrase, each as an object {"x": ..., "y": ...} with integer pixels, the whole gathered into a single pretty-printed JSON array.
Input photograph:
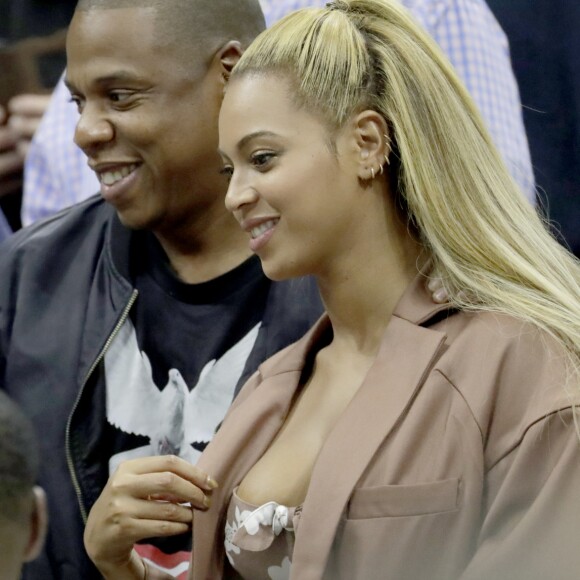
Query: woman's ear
[
  {"x": 372, "y": 143},
  {"x": 38, "y": 525}
]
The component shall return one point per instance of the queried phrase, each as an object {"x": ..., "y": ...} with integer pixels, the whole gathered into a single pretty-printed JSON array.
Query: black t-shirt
[{"x": 172, "y": 371}]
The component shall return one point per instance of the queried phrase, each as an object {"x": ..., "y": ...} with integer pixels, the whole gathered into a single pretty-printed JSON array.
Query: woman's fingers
[
  {"x": 165, "y": 486},
  {"x": 145, "y": 498},
  {"x": 166, "y": 478},
  {"x": 165, "y": 511},
  {"x": 172, "y": 464},
  {"x": 143, "y": 519},
  {"x": 120, "y": 511}
]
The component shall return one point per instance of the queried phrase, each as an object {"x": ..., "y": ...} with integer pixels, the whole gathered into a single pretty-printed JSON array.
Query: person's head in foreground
[
  {"x": 355, "y": 154},
  {"x": 22, "y": 504}
]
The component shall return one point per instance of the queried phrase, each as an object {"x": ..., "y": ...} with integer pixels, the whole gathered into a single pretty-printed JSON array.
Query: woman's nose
[{"x": 239, "y": 194}]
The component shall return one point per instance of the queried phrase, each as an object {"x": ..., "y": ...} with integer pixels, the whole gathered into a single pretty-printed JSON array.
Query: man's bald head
[{"x": 195, "y": 26}]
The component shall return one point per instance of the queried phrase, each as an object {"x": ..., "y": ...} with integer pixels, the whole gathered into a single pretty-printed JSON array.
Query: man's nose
[{"x": 93, "y": 129}]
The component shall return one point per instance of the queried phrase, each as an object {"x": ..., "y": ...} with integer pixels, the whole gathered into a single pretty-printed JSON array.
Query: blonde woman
[{"x": 398, "y": 439}]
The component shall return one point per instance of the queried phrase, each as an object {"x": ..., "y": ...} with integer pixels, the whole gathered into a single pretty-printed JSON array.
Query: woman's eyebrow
[{"x": 245, "y": 140}]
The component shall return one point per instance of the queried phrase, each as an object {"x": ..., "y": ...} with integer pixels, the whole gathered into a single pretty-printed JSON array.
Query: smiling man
[{"x": 128, "y": 323}]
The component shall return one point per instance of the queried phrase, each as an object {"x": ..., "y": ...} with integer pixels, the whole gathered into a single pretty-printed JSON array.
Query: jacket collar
[
  {"x": 415, "y": 306},
  {"x": 119, "y": 243}
]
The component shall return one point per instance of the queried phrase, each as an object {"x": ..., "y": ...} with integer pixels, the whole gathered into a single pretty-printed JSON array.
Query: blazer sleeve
[{"x": 532, "y": 512}]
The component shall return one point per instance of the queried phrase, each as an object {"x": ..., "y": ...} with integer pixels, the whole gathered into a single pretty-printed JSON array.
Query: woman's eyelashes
[
  {"x": 259, "y": 160},
  {"x": 262, "y": 160}
]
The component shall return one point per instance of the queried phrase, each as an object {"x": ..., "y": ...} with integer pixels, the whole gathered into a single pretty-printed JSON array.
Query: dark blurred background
[{"x": 544, "y": 38}]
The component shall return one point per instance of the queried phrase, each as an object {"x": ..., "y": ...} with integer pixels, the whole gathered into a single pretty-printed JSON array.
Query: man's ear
[
  {"x": 38, "y": 524},
  {"x": 229, "y": 55},
  {"x": 372, "y": 143}
]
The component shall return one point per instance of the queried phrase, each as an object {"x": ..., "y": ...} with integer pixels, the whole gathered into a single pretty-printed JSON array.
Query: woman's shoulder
[
  {"x": 494, "y": 336},
  {"x": 510, "y": 373}
]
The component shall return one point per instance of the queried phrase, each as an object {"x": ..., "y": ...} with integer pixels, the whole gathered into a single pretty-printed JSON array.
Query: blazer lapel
[
  {"x": 247, "y": 432},
  {"x": 406, "y": 355}
]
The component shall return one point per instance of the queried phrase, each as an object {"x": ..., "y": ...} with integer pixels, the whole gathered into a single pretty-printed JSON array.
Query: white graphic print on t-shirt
[{"x": 175, "y": 417}]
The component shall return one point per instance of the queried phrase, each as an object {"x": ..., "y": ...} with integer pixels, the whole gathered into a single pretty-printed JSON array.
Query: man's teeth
[
  {"x": 259, "y": 230},
  {"x": 111, "y": 177}
]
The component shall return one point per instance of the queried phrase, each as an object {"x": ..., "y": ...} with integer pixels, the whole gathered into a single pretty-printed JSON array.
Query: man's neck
[{"x": 197, "y": 260}]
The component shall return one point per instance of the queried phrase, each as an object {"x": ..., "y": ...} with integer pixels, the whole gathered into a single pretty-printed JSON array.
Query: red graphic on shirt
[{"x": 175, "y": 564}]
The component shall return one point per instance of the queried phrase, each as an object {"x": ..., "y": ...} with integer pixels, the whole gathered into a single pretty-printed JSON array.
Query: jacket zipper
[{"x": 105, "y": 348}]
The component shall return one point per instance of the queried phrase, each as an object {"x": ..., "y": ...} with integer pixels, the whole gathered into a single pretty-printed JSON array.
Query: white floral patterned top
[{"x": 259, "y": 541}]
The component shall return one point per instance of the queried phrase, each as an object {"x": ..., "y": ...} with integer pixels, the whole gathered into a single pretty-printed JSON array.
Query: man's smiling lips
[
  {"x": 112, "y": 176},
  {"x": 115, "y": 178}
]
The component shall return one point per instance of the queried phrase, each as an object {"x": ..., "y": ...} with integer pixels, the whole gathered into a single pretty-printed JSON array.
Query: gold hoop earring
[
  {"x": 380, "y": 169},
  {"x": 372, "y": 172},
  {"x": 387, "y": 160}
]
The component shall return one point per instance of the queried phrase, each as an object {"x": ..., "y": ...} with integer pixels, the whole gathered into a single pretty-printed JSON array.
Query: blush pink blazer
[{"x": 456, "y": 459}]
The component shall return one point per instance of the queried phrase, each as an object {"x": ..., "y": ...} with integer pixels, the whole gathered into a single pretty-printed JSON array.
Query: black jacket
[{"x": 65, "y": 288}]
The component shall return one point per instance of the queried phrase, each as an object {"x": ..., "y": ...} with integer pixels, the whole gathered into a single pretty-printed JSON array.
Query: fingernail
[
  {"x": 206, "y": 501},
  {"x": 211, "y": 482}
]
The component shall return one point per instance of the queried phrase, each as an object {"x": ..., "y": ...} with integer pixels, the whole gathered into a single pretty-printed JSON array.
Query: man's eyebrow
[{"x": 119, "y": 76}]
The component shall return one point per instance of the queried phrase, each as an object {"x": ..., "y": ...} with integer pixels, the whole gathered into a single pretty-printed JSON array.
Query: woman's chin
[{"x": 279, "y": 272}]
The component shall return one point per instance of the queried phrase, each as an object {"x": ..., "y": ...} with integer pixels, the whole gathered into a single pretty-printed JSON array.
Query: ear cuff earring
[
  {"x": 388, "y": 142},
  {"x": 381, "y": 169}
]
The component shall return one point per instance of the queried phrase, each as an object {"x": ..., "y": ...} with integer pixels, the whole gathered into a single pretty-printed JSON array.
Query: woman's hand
[{"x": 143, "y": 499}]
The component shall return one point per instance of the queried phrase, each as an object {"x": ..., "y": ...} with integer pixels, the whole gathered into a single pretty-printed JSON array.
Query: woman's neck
[{"x": 361, "y": 292}]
